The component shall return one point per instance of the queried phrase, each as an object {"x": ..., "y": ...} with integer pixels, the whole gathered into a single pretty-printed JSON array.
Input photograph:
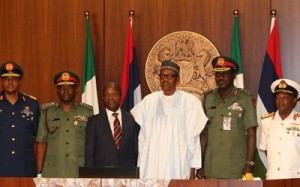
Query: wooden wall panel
[
  {"x": 213, "y": 19},
  {"x": 254, "y": 30},
  {"x": 46, "y": 37}
]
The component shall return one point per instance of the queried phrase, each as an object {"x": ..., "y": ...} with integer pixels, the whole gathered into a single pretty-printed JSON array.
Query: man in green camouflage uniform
[
  {"x": 229, "y": 138},
  {"x": 61, "y": 134}
]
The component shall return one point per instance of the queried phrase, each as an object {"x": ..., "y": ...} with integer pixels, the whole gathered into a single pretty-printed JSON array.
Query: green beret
[
  {"x": 66, "y": 78},
  {"x": 11, "y": 69},
  {"x": 223, "y": 63}
]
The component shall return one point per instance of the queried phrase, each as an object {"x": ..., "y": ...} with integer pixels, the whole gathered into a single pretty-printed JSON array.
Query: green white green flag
[
  {"x": 89, "y": 85},
  {"x": 235, "y": 53}
]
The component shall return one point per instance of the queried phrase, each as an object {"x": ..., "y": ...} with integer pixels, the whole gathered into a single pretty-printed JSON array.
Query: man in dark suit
[{"x": 111, "y": 136}]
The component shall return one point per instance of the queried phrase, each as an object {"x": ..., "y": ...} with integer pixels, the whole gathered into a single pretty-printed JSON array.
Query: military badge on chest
[
  {"x": 80, "y": 119},
  {"x": 233, "y": 111},
  {"x": 235, "y": 106},
  {"x": 293, "y": 129},
  {"x": 27, "y": 114}
]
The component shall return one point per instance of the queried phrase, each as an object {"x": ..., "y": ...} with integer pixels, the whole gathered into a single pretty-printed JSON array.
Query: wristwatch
[{"x": 251, "y": 163}]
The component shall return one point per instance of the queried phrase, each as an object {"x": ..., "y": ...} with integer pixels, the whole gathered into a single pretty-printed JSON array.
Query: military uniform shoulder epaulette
[
  {"x": 30, "y": 96},
  {"x": 90, "y": 107},
  {"x": 298, "y": 114},
  {"x": 242, "y": 90},
  {"x": 267, "y": 115},
  {"x": 48, "y": 105}
]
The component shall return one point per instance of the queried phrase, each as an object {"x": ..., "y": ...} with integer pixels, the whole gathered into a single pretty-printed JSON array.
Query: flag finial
[
  {"x": 87, "y": 14},
  {"x": 273, "y": 13},
  {"x": 236, "y": 13},
  {"x": 131, "y": 13}
]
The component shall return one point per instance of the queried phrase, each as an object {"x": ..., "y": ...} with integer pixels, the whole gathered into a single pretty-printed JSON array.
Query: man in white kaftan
[{"x": 171, "y": 122}]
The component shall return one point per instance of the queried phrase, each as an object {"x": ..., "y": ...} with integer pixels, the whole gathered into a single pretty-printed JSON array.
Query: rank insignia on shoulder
[
  {"x": 296, "y": 115},
  {"x": 48, "y": 105},
  {"x": 242, "y": 90},
  {"x": 90, "y": 107},
  {"x": 268, "y": 115},
  {"x": 30, "y": 96}
]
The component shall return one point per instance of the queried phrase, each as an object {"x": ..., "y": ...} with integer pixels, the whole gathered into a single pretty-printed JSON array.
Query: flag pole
[
  {"x": 87, "y": 14},
  {"x": 273, "y": 13},
  {"x": 236, "y": 12},
  {"x": 131, "y": 13}
]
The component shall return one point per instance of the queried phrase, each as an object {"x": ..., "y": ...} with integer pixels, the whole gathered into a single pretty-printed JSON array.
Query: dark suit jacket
[{"x": 100, "y": 147}]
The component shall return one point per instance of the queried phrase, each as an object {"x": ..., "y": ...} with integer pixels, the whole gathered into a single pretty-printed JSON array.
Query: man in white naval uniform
[
  {"x": 280, "y": 132},
  {"x": 171, "y": 122}
]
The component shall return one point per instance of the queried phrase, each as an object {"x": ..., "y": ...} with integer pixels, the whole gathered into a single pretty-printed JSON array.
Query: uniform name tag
[{"x": 227, "y": 123}]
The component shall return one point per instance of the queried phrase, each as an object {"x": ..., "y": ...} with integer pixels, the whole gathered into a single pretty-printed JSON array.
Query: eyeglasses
[{"x": 168, "y": 76}]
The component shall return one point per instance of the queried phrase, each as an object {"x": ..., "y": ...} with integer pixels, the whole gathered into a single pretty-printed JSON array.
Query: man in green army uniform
[
  {"x": 61, "y": 134},
  {"x": 228, "y": 141}
]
